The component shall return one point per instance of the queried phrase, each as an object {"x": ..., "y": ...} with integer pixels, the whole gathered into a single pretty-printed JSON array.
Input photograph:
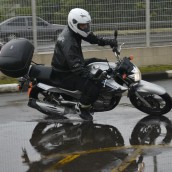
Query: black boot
[{"x": 85, "y": 112}]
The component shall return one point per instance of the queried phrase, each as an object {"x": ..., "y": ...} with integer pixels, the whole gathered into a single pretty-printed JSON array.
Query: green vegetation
[
  {"x": 7, "y": 80},
  {"x": 155, "y": 68},
  {"x": 144, "y": 69}
]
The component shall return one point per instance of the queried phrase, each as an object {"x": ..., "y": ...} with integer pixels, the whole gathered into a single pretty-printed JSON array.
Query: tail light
[{"x": 131, "y": 57}]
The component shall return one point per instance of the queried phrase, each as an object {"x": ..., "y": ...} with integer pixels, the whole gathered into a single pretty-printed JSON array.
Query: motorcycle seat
[{"x": 43, "y": 74}]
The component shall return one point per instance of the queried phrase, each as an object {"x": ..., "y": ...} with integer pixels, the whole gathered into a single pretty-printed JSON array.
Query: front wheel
[{"x": 160, "y": 104}]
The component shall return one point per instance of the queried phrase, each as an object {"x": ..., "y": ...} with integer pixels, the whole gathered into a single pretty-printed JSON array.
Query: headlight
[{"x": 136, "y": 76}]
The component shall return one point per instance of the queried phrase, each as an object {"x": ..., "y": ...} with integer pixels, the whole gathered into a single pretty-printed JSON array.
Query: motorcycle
[{"x": 46, "y": 95}]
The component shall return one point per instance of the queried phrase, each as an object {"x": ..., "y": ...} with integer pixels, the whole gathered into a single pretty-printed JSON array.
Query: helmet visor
[{"x": 84, "y": 27}]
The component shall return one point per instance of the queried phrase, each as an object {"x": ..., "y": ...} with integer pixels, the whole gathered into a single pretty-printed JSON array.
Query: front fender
[{"x": 147, "y": 87}]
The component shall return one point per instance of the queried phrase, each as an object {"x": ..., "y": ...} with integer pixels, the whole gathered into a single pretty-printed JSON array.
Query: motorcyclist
[{"x": 69, "y": 64}]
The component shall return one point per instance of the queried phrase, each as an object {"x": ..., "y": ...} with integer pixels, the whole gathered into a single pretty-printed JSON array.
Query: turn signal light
[{"x": 131, "y": 57}]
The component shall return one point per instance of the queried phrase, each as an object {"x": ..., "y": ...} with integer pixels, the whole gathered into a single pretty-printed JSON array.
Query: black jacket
[{"x": 68, "y": 56}]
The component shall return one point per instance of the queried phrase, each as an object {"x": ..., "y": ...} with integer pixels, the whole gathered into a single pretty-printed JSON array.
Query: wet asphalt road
[{"x": 31, "y": 142}]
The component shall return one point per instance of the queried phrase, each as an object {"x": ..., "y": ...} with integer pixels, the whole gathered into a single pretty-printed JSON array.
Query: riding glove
[
  {"x": 112, "y": 42},
  {"x": 100, "y": 76}
]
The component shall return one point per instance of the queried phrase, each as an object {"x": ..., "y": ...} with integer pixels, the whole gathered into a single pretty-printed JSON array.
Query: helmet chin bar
[{"x": 83, "y": 30}]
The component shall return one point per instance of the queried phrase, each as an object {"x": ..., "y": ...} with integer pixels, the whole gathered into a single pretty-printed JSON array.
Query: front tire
[
  {"x": 152, "y": 130},
  {"x": 160, "y": 104}
]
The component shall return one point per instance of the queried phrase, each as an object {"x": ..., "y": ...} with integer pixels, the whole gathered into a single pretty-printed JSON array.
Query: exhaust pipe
[{"x": 47, "y": 108}]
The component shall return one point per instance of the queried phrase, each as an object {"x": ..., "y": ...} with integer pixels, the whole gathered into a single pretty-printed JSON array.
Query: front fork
[
  {"x": 142, "y": 99},
  {"x": 133, "y": 90}
]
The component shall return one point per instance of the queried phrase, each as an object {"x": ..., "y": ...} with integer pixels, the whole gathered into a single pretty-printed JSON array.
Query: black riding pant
[{"x": 90, "y": 90}]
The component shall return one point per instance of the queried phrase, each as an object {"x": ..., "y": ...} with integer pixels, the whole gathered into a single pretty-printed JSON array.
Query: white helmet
[{"x": 79, "y": 16}]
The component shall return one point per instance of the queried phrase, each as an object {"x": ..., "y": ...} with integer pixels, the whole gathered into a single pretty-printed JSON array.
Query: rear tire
[{"x": 159, "y": 106}]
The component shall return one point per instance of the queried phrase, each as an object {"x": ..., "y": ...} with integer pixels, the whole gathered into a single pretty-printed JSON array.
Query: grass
[
  {"x": 7, "y": 80},
  {"x": 155, "y": 68},
  {"x": 144, "y": 69}
]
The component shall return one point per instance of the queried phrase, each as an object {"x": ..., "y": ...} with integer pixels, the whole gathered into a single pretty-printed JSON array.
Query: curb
[{"x": 8, "y": 88}]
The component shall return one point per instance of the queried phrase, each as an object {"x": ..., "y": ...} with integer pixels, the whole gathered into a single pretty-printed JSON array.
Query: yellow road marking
[
  {"x": 127, "y": 161},
  {"x": 108, "y": 149},
  {"x": 68, "y": 157},
  {"x": 89, "y": 151},
  {"x": 62, "y": 162},
  {"x": 141, "y": 167}
]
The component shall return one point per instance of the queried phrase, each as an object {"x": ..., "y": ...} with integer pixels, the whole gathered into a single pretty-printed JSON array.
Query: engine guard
[{"x": 147, "y": 87}]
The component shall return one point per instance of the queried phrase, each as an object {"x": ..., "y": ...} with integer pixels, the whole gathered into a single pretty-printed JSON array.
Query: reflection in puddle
[{"x": 76, "y": 146}]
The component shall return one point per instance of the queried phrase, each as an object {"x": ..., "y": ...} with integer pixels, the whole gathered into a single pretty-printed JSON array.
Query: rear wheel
[{"x": 160, "y": 104}]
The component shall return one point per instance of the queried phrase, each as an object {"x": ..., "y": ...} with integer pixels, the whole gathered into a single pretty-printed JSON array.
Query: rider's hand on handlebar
[
  {"x": 115, "y": 49},
  {"x": 101, "y": 76},
  {"x": 113, "y": 43}
]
